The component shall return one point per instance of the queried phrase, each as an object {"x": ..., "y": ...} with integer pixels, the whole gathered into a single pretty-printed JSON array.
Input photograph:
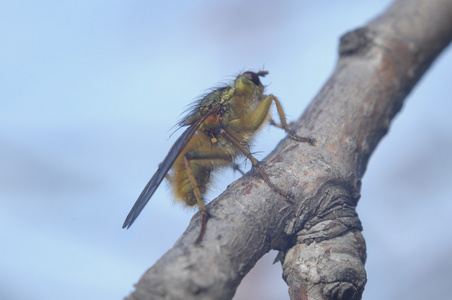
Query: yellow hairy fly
[{"x": 220, "y": 128}]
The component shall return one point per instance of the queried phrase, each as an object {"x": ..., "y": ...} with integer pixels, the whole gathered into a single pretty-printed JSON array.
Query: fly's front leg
[
  {"x": 255, "y": 118},
  {"x": 273, "y": 123},
  {"x": 255, "y": 163},
  {"x": 284, "y": 125},
  {"x": 188, "y": 158}
]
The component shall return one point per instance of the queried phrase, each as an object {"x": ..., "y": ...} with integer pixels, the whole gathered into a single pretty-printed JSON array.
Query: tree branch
[{"x": 322, "y": 249}]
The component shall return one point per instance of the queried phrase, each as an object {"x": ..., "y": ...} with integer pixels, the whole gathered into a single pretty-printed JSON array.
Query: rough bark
[{"x": 319, "y": 235}]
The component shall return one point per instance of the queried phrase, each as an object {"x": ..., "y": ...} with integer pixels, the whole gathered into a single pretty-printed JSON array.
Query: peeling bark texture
[{"x": 319, "y": 235}]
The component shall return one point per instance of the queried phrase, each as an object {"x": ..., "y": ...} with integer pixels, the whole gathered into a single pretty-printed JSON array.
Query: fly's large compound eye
[{"x": 253, "y": 77}]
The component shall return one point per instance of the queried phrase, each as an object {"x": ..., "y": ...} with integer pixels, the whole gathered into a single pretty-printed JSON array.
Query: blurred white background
[{"x": 90, "y": 91}]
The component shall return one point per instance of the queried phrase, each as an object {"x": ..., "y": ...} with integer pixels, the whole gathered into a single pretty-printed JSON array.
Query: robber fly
[{"x": 220, "y": 128}]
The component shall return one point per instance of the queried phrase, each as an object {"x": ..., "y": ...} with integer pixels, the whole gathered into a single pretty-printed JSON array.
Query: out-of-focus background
[{"x": 90, "y": 91}]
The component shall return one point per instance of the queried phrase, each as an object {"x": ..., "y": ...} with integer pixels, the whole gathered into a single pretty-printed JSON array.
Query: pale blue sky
[{"x": 90, "y": 91}]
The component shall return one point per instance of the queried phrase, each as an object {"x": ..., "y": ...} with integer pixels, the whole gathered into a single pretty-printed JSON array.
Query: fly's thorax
[
  {"x": 204, "y": 105},
  {"x": 242, "y": 95}
]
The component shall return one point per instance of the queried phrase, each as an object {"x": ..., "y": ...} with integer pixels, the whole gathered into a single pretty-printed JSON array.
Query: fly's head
[{"x": 249, "y": 87}]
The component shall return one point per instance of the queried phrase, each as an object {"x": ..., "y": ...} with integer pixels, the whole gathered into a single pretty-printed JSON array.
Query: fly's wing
[{"x": 164, "y": 167}]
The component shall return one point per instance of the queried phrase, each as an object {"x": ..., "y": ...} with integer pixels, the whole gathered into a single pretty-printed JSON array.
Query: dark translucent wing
[{"x": 164, "y": 167}]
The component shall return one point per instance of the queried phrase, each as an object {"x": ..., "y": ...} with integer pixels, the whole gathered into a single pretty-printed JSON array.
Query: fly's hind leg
[{"x": 189, "y": 157}]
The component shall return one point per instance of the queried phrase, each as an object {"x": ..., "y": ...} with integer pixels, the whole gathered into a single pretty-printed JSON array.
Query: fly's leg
[
  {"x": 255, "y": 164},
  {"x": 255, "y": 118},
  {"x": 284, "y": 125},
  {"x": 236, "y": 167},
  {"x": 273, "y": 123},
  {"x": 198, "y": 196},
  {"x": 190, "y": 156}
]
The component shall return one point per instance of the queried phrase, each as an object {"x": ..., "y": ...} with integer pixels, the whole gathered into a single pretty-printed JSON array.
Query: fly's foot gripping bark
[
  {"x": 309, "y": 140},
  {"x": 205, "y": 217}
]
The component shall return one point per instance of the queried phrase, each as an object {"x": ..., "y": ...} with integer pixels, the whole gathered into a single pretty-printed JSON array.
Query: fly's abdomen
[
  {"x": 201, "y": 167},
  {"x": 183, "y": 187}
]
